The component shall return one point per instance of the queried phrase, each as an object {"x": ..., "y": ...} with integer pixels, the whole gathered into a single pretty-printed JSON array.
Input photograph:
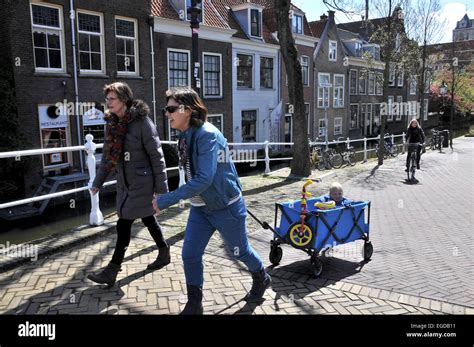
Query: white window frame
[
  {"x": 392, "y": 75},
  {"x": 357, "y": 117},
  {"x": 61, "y": 37},
  {"x": 168, "y": 63},
  {"x": 136, "y": 45},
  {"x": 400, "y": 107},
  {"x": 309, "y": 116},
  {"x": 338, "y": 120},
  {"x": 260, "y": 22},
  {"x": 379, "y": 91},
  {"x": 221, "y": 117},
  {"x": 390, "y": 102},
  {"x": 341, "y": 91},
  {"x": 305, "y": 57},
  {"x": 372, "y": 82},
  {"x": 332, "y": 49},
  {"x": 293, "y": 26},
  {"x": 102, "y": 42},
  {"x": 325, "y": 91},
  {"x": 322, "y": 129},
  {"x": 365, "y": 79},
  {"x": 253, "y": 71},
  {"x": 356, "y": 83},
  {"x": 204, "y": 77},
  {"x": 273, "y": 72},
  {"x": 413, "y": 85},
  {"x": 400, "y": 78}
]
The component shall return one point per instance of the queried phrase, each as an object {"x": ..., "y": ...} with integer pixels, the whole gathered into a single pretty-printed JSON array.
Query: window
[
  {"x": 288, "y": 128},
  {"x": 332, "y": 50},
  {"x": 353, "y": 82},
  {"x": 413, "y": 85},
  {"x": 338, "y": 126},
  {"x": 266, "y": 73},
  {"x": 47, "y": 38},
  {"x": 391, "y": 76},
  {"x": 323, "y": 92},
  {"x": 369, "y": 117},
  {"x": 298, "y": 24},
  {"x": 399, "y": 108},
  {"x": 244, "y": 71},
  {"x": 255, "y": 23},
  {"x": 126, "y": 39},
  {"x": 249, "y": 126},
  {"x": 217, "y": 121},
  {"x": 338, "y": 97},
  {"x": 178, "y": 68},
  {"x": 363, "y": 113},
  {"x": 322, "y": 127},
  {"x": 376, "y": 121},
  {"x": 401, "y": 76},
  {"x": 354, "y": 116},
  {"x": 362, "y": 83},
  {"x": 91, "y": 41},
  {"x": 371, "y": 83},
  {"x": 425, "y": 109},
  {"x": 390, "y": 109},
  {"x": 212, "y": 70},
  {"x": 305, "y": 70},
  {"x": 379, "y": 84}
]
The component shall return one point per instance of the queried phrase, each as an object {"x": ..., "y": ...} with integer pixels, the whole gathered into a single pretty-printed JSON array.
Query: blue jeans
[{"x": 230, "y": 222}]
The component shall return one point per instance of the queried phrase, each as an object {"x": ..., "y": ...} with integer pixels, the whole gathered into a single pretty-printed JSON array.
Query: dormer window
[
  {"x": 255, "y": 23},
  {"x": 358, "y": 49},
  {"x": 298, "y": 24}
]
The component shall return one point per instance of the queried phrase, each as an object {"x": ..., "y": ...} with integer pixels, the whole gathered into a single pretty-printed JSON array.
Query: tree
[{"x": 300, "y": 164}]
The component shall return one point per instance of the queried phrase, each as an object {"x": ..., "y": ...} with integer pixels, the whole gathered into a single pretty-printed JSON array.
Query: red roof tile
[{"x": 317, "y": 27}]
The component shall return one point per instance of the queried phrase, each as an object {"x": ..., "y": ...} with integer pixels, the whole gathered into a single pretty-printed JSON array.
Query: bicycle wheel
[
  {"x": 393, "y": 150},
  {"x": 351, "y": 157},
  {"x": 335, "y": 160}
]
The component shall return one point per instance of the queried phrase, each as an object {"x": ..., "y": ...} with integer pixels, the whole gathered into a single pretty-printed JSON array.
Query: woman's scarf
[{"x": 116, "y": 130}]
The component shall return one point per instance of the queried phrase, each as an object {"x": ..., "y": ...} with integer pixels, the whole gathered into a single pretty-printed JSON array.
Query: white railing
[{"x": 90, "y": 147}]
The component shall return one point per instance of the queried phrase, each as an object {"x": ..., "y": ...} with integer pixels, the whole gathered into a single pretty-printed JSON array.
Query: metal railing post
[
  {"x": 267, "y": 159},
  {"x": 365, "y": 149},
  {"x": 96, "y": 217}
]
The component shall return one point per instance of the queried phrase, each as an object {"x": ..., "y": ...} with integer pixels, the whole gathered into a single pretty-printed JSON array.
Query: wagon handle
[{"x": 264, "y": 225}]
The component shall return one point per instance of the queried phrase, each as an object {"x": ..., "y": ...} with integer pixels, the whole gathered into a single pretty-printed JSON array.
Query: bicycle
[
  {"x": 412, "y": 163},
  {"x": 389, "y": 147},
  {"x": 437, "y": 139},
  {"x": 324, "y": 159},
  {"x": 348, "y": 154}
]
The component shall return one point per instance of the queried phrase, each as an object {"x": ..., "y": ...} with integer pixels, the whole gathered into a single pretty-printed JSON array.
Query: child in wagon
[{"x": 336, "y": 194}]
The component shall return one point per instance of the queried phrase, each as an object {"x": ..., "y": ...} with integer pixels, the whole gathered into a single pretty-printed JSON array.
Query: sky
[{"x": 451, "y": 11}]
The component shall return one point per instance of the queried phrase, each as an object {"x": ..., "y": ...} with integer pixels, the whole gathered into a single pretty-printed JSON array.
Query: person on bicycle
[{"x": 414, "y": 134}]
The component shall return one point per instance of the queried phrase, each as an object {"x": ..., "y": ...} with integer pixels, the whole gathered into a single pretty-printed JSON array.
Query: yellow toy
[{"x": 325, "y": 205}]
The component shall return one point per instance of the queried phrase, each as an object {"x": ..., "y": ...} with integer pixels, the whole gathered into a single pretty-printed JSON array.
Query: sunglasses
[{"x": 171, "y": 109}]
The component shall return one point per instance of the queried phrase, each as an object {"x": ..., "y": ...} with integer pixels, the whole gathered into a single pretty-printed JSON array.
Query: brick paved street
[{"x": 422, "y": 261}]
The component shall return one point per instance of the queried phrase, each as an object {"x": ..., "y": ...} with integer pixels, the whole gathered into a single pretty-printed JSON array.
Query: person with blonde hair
[
  {"x": 133, "y": 150},
  {"x": 335, "y": 194},
  {"x": 414, "y": 134}
]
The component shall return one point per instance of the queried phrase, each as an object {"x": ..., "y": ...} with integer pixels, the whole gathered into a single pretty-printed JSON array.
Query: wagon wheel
[
  {"x": 316, "y": 266},
  {"x": 276, "y": 253},
  {"x": 300, "y": 237},
  {"x": 368, "y": 250}
]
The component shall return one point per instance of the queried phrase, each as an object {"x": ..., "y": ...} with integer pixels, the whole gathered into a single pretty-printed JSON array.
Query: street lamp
[{"x": 194, "y": 11}]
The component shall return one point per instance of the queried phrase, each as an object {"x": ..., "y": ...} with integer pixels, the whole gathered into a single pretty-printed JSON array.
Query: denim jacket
[{"x": 214, "y": 176}]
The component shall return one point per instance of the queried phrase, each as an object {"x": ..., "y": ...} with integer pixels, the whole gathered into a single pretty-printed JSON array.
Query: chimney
[
  {"x": 331, "y": 14},
  {"x": 323, "y": 17}
]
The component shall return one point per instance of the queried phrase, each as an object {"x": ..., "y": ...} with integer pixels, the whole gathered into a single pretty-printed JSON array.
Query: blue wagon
[{"x": 317, "y": 230}]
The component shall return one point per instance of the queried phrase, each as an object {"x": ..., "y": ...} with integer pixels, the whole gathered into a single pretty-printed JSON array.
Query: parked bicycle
[
  {"x": 389, "y": 147},
  {"x": 348, "y": 153},
  {"x": 324, "y": 158},
  {"x": 437, "y": 139}
]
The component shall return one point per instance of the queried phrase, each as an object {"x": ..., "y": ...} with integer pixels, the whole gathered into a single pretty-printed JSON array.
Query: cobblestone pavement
[{"x": 422, "y": 261}]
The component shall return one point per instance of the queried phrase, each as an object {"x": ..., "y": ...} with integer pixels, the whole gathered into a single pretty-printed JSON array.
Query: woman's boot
[
  {"x": 194, "y": 304},
  {"x": 163, "y": 259},
  {"x": 107, "y": 275},
  {"x": 261, "y": 281}
]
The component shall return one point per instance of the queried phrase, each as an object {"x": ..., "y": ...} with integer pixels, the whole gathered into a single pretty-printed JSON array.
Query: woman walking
[
  {"x": 216, "y": 196},
  {"x": 132, "y": 149}
]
